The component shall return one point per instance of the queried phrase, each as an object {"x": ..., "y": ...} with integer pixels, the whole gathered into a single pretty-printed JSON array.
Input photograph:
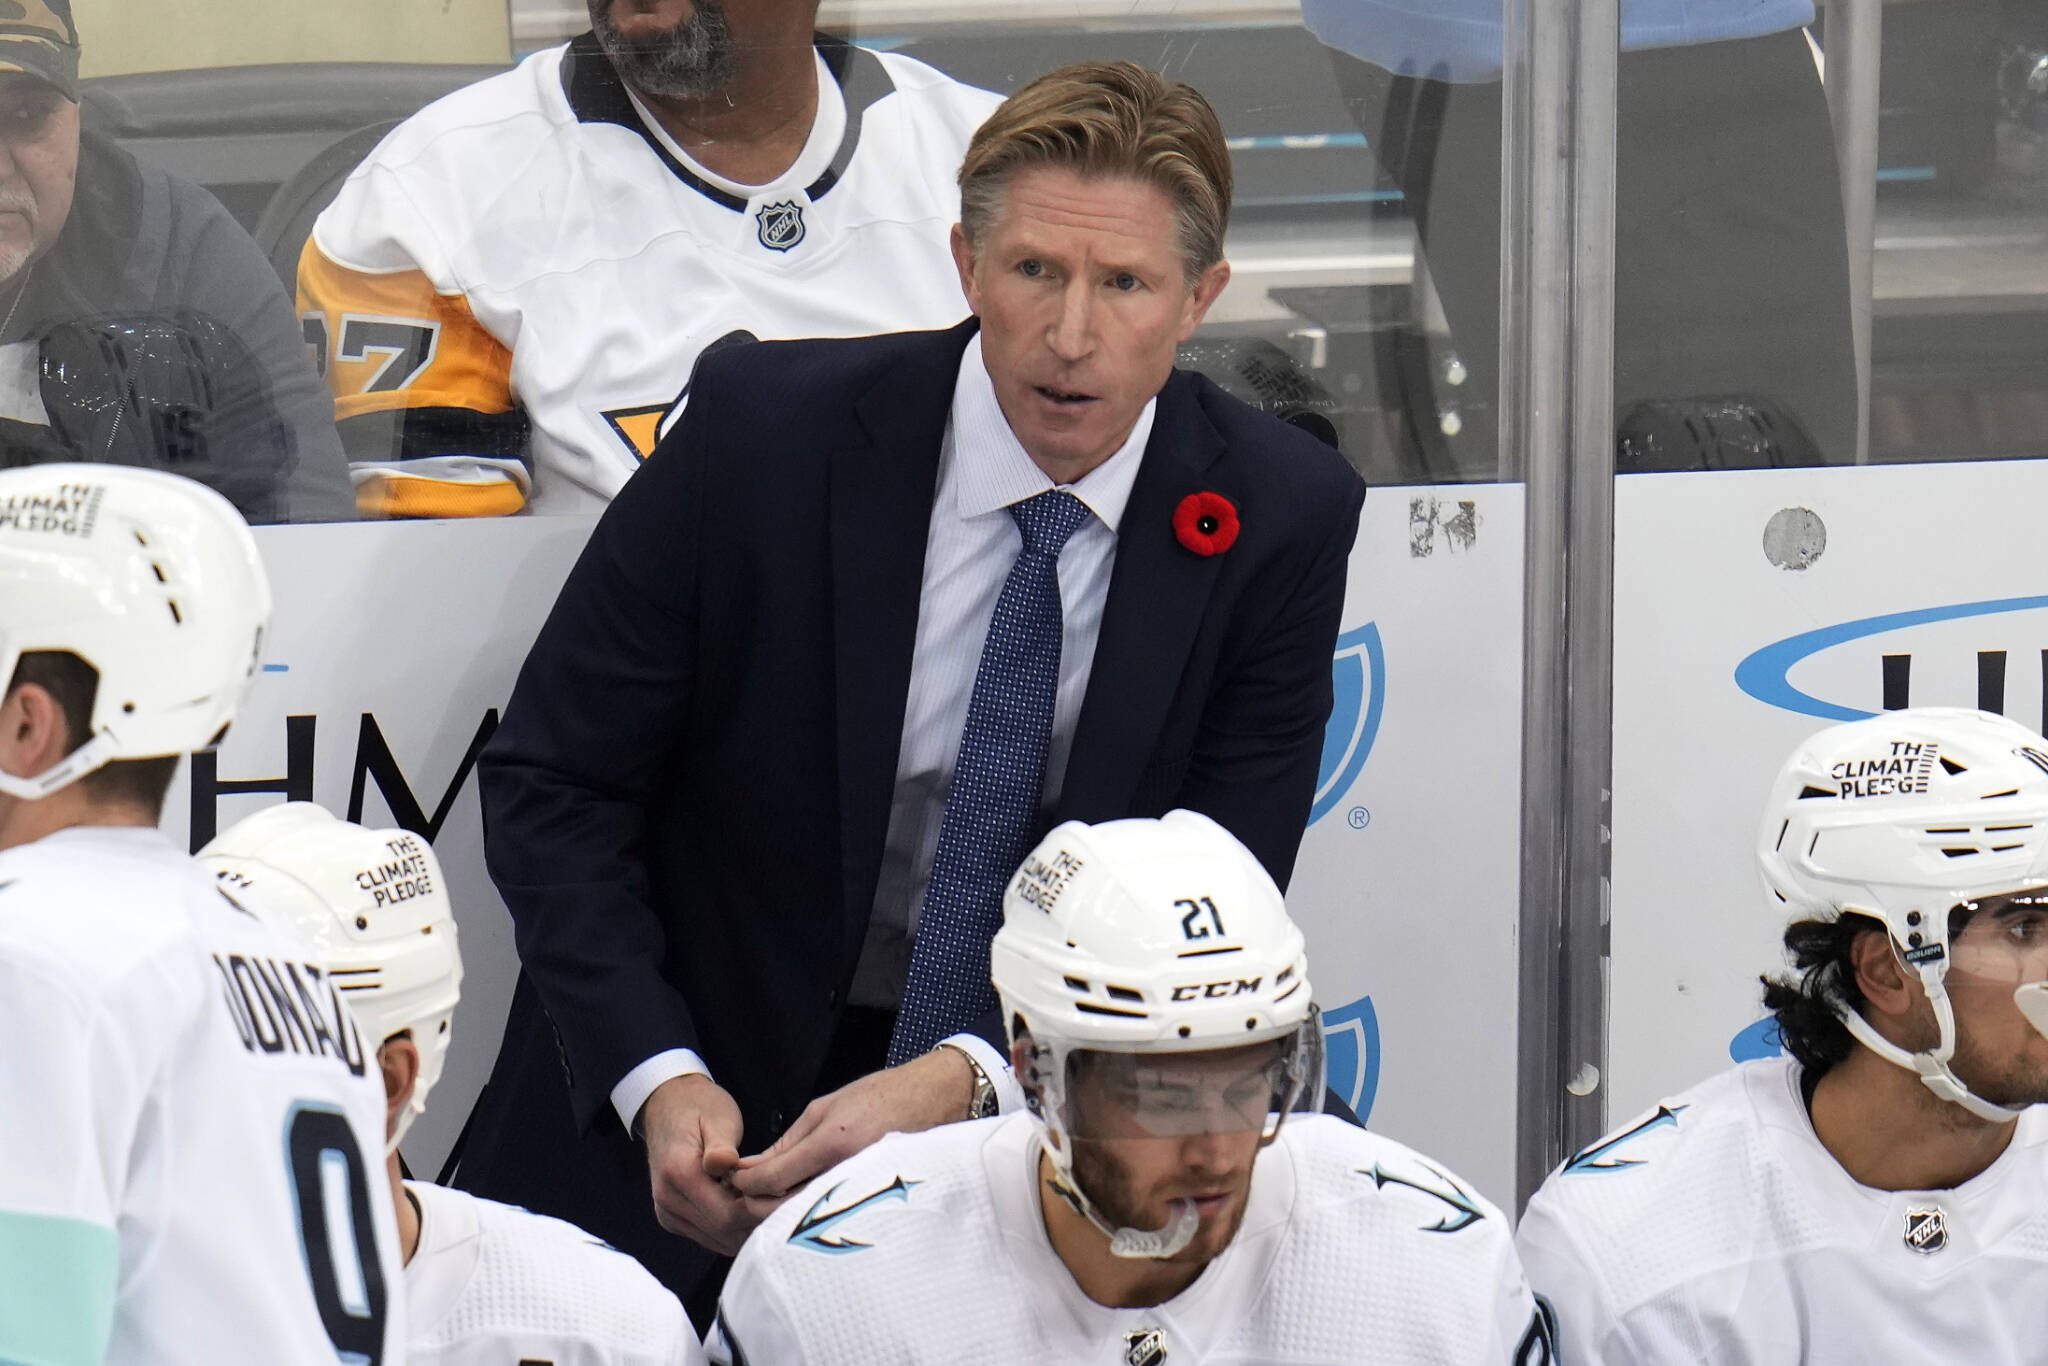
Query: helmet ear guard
[{"x": 1903, "y": 818}]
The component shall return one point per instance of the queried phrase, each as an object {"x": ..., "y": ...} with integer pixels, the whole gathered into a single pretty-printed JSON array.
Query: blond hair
[{"x": 1108, "y": 119}]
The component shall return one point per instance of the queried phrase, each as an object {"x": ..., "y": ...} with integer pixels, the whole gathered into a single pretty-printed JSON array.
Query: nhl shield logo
[
  {"x": 1926, "y": 1231},
  {"x": 1146, "y": 1347},
  {"x": 781, "y": 225}
]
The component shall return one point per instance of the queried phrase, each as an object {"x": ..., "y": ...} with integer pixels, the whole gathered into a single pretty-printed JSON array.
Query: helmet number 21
[{"x": 1202, "y": 919}]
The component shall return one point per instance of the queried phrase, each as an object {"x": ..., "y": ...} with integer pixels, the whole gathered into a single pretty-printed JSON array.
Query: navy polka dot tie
[{"x": 992, "y": 810}]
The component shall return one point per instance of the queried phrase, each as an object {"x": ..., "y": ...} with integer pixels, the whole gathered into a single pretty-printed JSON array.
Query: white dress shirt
[{"x": 970, "y": 547}]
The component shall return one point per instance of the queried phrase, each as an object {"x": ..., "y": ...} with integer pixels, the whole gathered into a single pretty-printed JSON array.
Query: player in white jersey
[
  {"x": 1881, "y": 1195},
  {"x": 188, "y": 1117},
  {"x": 485, "y": 1284},
  {"x": 1152, "y": 1209},
  {"x": 509, "y": 296}
]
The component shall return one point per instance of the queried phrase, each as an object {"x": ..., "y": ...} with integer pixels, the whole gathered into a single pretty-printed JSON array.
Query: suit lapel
[
  {"x": 881, "y": 507},
  {"x": 1158, "y": 593}
]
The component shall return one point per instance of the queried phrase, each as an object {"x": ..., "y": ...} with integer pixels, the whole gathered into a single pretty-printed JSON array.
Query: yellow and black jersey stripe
[{"x": 421, "y": 390}]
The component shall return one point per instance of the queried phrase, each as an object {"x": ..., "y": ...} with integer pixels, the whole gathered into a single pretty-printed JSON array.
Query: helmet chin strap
[
  {"x": 1135, "y": 1243},
  {"x": 414, "y": 1108},
  {"x": 89, "y": 757},
  {"x": 1932, "y": 1066}
]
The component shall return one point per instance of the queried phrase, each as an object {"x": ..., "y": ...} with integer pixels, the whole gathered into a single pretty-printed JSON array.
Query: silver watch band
[{"x": 985, "y": 1102}]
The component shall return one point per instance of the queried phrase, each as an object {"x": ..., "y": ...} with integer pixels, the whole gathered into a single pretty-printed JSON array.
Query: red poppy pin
[{"x": 1206, "y": 523}]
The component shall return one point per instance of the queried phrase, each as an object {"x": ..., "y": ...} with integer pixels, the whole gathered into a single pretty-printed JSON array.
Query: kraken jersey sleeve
[
  {"x": 1586, "y": 1326},
  {"x": 930, "y": 1249},
  {"x": 508, "y": 297},
  {"x": 1718, "y": 1228},
  {"x": 191, "y": 1151},
  {"x": 493, "y": 1285},
  {"x": 60, "y": 1180}
]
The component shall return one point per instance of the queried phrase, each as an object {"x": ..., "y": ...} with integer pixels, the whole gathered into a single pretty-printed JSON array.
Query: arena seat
[
  {"x": 288, "y": 218},
  {"x": 244, "y": 131}
]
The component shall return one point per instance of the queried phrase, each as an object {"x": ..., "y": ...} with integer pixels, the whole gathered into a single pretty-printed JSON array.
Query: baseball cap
[{"x": 38, "y": 37}]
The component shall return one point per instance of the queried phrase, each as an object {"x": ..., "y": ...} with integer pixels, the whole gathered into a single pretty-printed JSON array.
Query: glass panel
[
  {"x": 1960, "y": 318},
  {"x": 1768, "y": 586}
]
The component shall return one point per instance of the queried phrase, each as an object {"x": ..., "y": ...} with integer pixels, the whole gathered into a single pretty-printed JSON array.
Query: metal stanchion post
[
  {"x": 1557, "y": 433},
  {"x": 1855, "y": 50}
]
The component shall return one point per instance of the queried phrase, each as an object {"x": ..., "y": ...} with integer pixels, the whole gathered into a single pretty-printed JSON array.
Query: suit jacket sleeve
[
  {"x": 1254, "y": 763},
  {"x": 589, "y": 740}
]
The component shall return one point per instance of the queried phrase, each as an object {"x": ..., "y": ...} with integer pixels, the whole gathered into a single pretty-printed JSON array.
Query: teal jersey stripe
[{"x": 57, "y": 1282}]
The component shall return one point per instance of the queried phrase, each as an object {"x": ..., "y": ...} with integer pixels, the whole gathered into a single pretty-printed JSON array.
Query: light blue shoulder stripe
[{"x": 57, "y": 1283}]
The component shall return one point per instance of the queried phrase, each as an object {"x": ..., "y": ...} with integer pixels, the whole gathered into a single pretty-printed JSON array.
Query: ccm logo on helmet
[{"x": 1216, "y": 991}]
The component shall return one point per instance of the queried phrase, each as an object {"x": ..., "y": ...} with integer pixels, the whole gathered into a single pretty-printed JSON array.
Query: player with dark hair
[
  {"x": 188, "y": 1116},
  {"x": 1882, "y": 1194},
  {"x": 1165, "y": 1200}
]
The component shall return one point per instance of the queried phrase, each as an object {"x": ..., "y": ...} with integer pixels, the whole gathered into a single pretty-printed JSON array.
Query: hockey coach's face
[{"x": 1083, "y": 297}]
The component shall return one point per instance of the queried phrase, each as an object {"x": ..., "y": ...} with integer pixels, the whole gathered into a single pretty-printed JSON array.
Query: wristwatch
[{"x": 985, "y": 1101}]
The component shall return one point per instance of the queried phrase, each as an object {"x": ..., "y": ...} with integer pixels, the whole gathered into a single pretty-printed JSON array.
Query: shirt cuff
[
  {"x": 1009, "y": 1092},
  {"x": 637, "y": 1085}
]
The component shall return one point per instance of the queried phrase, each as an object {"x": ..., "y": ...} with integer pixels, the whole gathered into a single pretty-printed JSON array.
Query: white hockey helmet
[
  {"x": 371, "y": 907},
  {"x": 1134, "y": 939},
  {"x": 1903, "y": 818},
  {"x": 151, "y": 579}
]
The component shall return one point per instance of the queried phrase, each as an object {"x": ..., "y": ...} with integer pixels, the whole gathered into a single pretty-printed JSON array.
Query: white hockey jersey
[
  {"x": 930, "y": 1250},
  {"x": 534, "y": 252},
  {"x": 191, "y": 1127},
  {"x": 494, "y": 1285},
  {"x": 1717, "y": 1229}
]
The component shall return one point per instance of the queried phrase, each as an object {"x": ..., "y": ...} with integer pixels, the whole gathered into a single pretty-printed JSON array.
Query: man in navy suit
[{"x": 877, "y": 614}]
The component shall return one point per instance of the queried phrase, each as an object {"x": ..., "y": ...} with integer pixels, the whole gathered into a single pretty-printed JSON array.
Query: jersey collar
[
  {"x": 597, "y": 95},
  {"x": 446, "y": 1258},
  {"x": 1985, "y": 1207}
]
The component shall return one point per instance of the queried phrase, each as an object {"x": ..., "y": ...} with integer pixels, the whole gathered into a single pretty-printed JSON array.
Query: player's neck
[
  {"x": 25, "y": 822},
  {"x": 753, "y": 130},
  {"x": 1109, "y": 1280},
  {"x": 1891, "y": 1133},
  {"x": 405, "y": 1208}
]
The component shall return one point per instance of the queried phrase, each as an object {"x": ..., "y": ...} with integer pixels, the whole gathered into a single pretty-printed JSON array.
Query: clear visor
[
  {"x": 2002, "y": 941},
  {"x": 1240, "y": 1090}
]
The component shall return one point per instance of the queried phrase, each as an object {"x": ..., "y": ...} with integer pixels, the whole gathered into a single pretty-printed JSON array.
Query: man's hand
[
  {"x": 692, "y": 1129},
  {"x": 921, "y": 1094}
]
